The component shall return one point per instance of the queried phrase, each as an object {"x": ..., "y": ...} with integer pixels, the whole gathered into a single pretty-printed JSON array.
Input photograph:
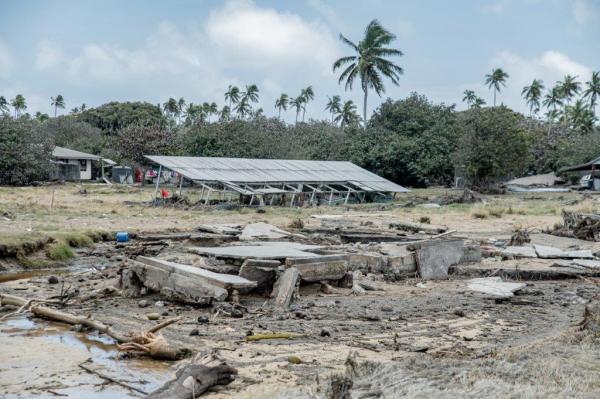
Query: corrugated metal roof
[
  {"x": 242, "y": 170},
  {"x": 66, "y": 153}
]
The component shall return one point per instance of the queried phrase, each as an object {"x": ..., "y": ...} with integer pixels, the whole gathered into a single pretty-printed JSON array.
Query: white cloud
[
  {"x": 6, "y": 60},
  {"x": 48, "y": 55},
  {"x": 550, "y": 67},
  {"x": 586, "y": 12}
]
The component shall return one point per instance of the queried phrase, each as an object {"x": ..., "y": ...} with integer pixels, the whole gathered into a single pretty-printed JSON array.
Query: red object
[
  {"x": 138, "y": 175},
  {"x": 164, "y": 193}
]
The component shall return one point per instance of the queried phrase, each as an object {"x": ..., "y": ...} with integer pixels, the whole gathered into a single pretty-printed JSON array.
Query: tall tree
[
  {"x": 171, "y": 107},
  {"x": 281, "y": 103},
  {"x": 83, "y": 107},
  {"x": 495, "y": 80},
  {"x": 478, "y": 102},
  {"x": 3, "y": 105},
  {"x": 251, "y": 94},
  {"x": 225, "y": 113},
  {"x": 569, "y": 87},
  {"x": 213, "y": 109},
  {"x": 347, "y": 115},
  {"x": 307, "y": 95},
  {"x": 180, "y": 108},
  {"x": 57, "y": 102},
  {"x": 469, "y": 97},
  {"x": 243, "y": 108},
  {"x": 232, "y": 95},
  {"x": 18, "y": 103},
  {"x": 41, "y": 117},
  {"x": 297, "y": 104},
  {"x": 334, "y": 105},
  {"x": 370, "y": 63},
  {"x": 579, "y": 117},
  {"x": 532, "y": 95},
  {"x": 553, "y": 99},
  {"x": 591, "y": 93}
]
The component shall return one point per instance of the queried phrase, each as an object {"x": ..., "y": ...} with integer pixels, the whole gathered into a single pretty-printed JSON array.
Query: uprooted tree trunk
[
  {"x": 195, "y": 378},
  {"x": 146, "y": 342}
]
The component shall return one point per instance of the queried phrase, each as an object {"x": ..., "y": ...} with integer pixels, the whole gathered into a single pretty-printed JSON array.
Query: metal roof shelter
[
  {"x": 277, "y": 177},
  {"x": 67, "y": 153},
  {"x": 594, "y": 164}
]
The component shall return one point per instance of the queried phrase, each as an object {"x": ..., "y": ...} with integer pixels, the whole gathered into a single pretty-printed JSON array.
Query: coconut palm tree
[
  {"x": 232, "y": 95},
  {"x": 553, "y": 99},
  {"x": 281, "y": 103},
  {"x": 297, "y": 104},
  {"x": 469, "y": 97},
  {"x": 57, "y": 102},
  {"x": 251, "y": 94},
  {"x": 370, "y": 63},
  {"x": 592, "y": 91},
  {"x": 225, "y": 113},
  {"x": 74, "y": 110},
  {"x": 569, "y": 87},
  {"x": 496, "y": 79},
  {"x": 579, "y": 117},
  {"x": 334, "y": 105},
  {"x": 3, "y": 105},
  {"x": 171, "y": 107},
  {"x": 213, "y": 109},
  {"x": 307, "y": 95},
  {"x": 478, "y": 102},
  {"x": 243, "y": 108},
  {"x": 532, "y": 95},
  {"x": 347, "y": 115},
  {"x": 19, "y": 104},
  {"x": 83, "y": 107},
  {"x": 40, "y": 117}
]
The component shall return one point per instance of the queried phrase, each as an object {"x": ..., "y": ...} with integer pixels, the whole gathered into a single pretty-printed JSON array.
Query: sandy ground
[{"x": 439, "y": 339}]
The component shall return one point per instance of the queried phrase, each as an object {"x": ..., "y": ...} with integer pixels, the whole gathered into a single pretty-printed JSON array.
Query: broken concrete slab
[
  {"x": 435, "y": 257},
  {"x": 546, "y": 252},
  {"x": 367, "y": 262},
  {"x": 263, "y": 231},
  {"x": 472, "y": 253},
  {"x": 228, "y": 229},
  {"x": 212, "y": 238},
  {"x": 372, "y": 237},
  {"x": 262, "y": 271},
  {"x": 285, "y": 287},
  {"x": 315, "y": 269},
  {"x": 417, "y": 227},
  {"x": 495, "y": 286},
  {"x": 163, "y": 237},
  {"x": 177, "y": 286},
  {"x": 525, "y": 251},
  {"x": 226, "y": 281},
  {"x": 243, "y": 252}
]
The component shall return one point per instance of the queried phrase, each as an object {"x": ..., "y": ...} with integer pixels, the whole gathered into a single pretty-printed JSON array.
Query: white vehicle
[{"x": 586, "y": 181}]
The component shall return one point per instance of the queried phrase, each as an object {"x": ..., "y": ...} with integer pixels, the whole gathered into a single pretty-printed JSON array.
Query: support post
[
  {"x": 180, "y": 184},
  {"x": 157, "y": 180}
]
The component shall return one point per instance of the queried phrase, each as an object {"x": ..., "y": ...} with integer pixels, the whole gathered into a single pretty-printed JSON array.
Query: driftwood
[
  {"x": 260, "y": 337},
  {"x": 145, "y": 342},
  {"x": 194, "y": 379},
  {"x": 108, "y": 378}
]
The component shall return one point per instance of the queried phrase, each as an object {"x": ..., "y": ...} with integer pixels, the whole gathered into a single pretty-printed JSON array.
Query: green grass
[{"x": 60, "y": 251}]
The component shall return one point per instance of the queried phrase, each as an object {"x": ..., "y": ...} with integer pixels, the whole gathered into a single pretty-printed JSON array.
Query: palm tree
[
  {"x": 281, "y": 103},
  {"x": 297, "y": 104},
  {"x": 334, "y": 105},
  {"x": 553, "y": 98},
  {"x": 251, "y": 94},
  {"x": 569, "y": 87},
  {"x": 3, "y": 105},
  {"x": 225, "y": 113},
  {"x": 232, "y": 95},
  {"x": 57, "y": 102},
  {"x": 213, "y": 109},
  {"x": 469, "y": 97},
  {"x": 41, "y": 117},
  {"x": 592, "y": 92},
  {"x": 478, "y": 102},
  {"x": 171, "y": 107},
  {"x": 579, "y": 117},
  {"x": 533, "y": 94},
  {"x": 74, "y": 110},
  {"x": 83, "y": 107},
  {"x": 19, "y": 104},
  {"x": 180, "y": 107},
  {"x": 347, "y": 114},
  {"x": 495, "y": 79},
  {"x": 242, "y": 108},
  {"x": 370, "y": 63},
  {"x": 307, "y": 95}
]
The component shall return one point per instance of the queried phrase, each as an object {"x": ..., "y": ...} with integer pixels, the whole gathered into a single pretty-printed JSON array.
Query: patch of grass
[
  {"x": 479, "y": 214},
  {"x": 60, "y": 251},
  {"x": 77, "y": 240},
  {"x": 296, "y": 224},
  {"x": 425, "y": 219},
  {"x": 496, "y": 212}
]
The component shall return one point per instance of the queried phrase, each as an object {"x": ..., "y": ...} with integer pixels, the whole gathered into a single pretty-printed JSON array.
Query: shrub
[
  {"x": 479, "y": 214},
  {"x": 60, "y": 251}
]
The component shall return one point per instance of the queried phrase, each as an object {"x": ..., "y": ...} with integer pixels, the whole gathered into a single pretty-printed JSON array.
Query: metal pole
[
  {"x": 157, "y": 180},
  {"x": 180, "y": 184}
]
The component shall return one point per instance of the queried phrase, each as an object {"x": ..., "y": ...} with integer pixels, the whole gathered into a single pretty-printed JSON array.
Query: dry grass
[{"x": 479, "y": 214}]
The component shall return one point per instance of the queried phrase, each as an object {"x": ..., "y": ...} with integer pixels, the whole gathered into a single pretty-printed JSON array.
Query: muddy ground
[{"x": 413, "y": 339}]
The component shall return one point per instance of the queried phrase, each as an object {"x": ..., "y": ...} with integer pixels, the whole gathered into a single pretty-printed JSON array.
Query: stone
[
  {"x": 495, "y": 286},
  {"x": 153, "y": 316},
  {"x": 325, "y": 333},
  {"x": 203, "y": 320},
  {"x": 143, "y": 303},
  {"x": 435, "y": 257},
  {"x": 194, "y": 332},
  {"x": 52, "y": 280}
]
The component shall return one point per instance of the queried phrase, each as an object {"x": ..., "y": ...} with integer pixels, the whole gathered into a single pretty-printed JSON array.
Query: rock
[
  {"x": 459, "y": 312},
  {"x": 153, "y": 316},
  {"x": 143, "y": 303},
  {"x": 194, "y": 332},
  {"x": 294, "y": 360},
  {"x": 325, "y": 333},
  {"x": 202, "y": 319},
  {"x": 370, "y": 316},
  {"x": 52, "y": 280},
  {"x": 387, "y": 308},
  {"x": 495, "y": 286},
  {"x": 164, "y": 313}
]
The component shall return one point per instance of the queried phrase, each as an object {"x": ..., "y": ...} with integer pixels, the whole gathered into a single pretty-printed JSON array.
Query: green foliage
[
  {"x": 494, "y": 145},
  {"x": 69, "y": 132},
  {"x": 60, "y": 251},
  {"x": 134, "y": 141},
  {"x": 24, "y": 152},
  {"x": 410, "y": 141},
  {"x": 114, "y": 116}
]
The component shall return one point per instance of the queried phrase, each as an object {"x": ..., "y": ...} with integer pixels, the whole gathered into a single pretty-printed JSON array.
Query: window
[{"x": 82, "y": 165}]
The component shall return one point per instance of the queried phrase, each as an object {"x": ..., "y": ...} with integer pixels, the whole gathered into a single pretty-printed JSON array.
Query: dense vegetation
[{"x": 411, "y": 141}]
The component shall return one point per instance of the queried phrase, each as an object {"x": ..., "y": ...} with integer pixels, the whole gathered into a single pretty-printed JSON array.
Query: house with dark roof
[{"x": 82, "y": 160}]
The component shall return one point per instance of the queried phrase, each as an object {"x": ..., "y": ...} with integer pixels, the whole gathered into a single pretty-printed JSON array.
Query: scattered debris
[
  {"x": 285, "y": 287},
  {"x": 435, "y": 257},
  {"x": 495, "y": 286},
  {"x": 519, "y": 237}
]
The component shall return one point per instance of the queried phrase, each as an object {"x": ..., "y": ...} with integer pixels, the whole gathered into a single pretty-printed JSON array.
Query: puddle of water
[{"x": 40, "y": 355}]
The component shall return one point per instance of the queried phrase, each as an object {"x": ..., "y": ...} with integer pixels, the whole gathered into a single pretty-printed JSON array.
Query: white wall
[{"x": 83, "y": 174}]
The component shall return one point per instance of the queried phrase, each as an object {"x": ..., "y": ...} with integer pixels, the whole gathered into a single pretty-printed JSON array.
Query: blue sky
[{"x": 97, "y": 51}]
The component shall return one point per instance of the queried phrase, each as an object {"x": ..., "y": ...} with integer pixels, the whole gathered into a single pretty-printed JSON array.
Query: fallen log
[
  {"x": 194, "y": 379},
  {"x": 146, "y": 342}
]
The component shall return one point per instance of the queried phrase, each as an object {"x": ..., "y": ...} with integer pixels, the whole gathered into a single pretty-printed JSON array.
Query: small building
[
  {"x": 591, "y": 168},
  {"x": 82, "y": 160}
]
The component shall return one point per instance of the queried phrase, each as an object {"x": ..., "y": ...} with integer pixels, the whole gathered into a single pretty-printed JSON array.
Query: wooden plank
[{"x": 226, "y": 281}]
